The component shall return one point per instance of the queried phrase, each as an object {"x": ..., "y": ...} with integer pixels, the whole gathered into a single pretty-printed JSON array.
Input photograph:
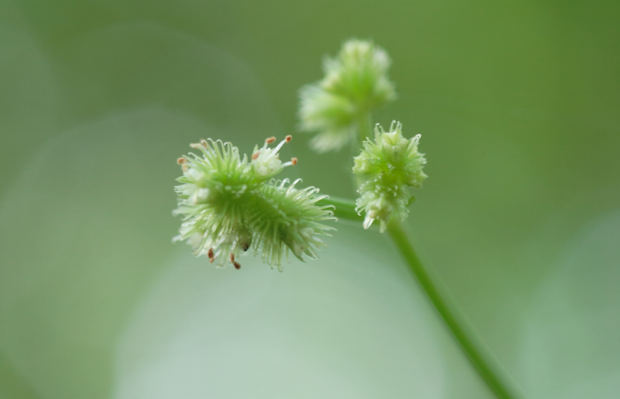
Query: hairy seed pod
[{"x": 230, "y": 203}]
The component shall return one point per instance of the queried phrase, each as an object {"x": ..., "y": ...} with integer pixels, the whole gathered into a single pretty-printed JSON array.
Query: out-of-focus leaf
[
  {"x": 571, "y": 346},
  {"x": 350, "y": 325},
  {"x": 80, "y": 233}
]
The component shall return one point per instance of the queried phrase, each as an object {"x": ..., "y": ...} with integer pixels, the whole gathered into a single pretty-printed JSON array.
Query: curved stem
[
  {"x": 343, "y": 208},
  {"x": 477, "y": 354},
  {"x": 448, "y": 311}
]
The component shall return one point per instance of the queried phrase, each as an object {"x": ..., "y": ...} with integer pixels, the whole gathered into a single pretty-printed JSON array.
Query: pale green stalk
[
  {"x": 363, "y": 132},
  {"x": 364, "y": 128}
]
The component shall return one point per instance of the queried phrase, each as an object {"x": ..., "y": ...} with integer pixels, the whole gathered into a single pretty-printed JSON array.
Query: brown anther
[
  {"x": 195, "y": 145},
  {"x": 237, "y": 266},
  {"x": 294, "y": 161},
  {"x": 245, "y": 247},
  {"x": 289, "y": 138},
  {"x": 255, "y": 155},
  {"x": 232, "y": 258},
  {"x": 211, "y": 260},
  {"x": 210, "y": 253},
  {"x": 185, "y": 167},
  {"x": 270, "y": 140},
  {"x": 204, "y": 143},
  {"x": 181, "y": 160}
]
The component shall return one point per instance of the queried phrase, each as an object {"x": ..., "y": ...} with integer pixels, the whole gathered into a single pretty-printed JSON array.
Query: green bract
[
  {"x": 230, "y": 204},
  {"x": 388, "y": 166},
  {"x": 355, "y": 84}
]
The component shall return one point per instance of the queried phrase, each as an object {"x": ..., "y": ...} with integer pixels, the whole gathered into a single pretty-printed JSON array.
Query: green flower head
[
  {"x": 388, "y": 166},
  {"x": 230, "y": 204},
  {"x": 355, "y": 83}
]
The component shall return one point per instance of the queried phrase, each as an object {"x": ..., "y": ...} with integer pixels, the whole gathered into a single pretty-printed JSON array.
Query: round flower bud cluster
[
  {"x": 388, "y": 166},
  {"x": 230, "y": 204},
  {"x": 355, "y": 84}
]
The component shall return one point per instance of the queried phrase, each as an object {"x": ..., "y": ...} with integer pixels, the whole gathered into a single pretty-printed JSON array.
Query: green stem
[
  {"x": 364, "y": 121},
  {"x": 344, "y": 208},
  {"x": 445, "y": 306},
  {"x": 448, "y": 311},
  {"x": 364, "y": 127}
]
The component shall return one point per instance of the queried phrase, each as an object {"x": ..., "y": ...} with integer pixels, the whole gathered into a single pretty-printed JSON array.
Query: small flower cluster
[
  {"x": 230, "y": 204},
  {"x": 389, "y": 166},
  {"x": 355, "y": 84}
]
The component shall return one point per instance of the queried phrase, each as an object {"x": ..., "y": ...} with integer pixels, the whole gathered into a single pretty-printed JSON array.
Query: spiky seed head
[
  {"x": 231, "y": 203},
  {"x": 388, "y": 166}
]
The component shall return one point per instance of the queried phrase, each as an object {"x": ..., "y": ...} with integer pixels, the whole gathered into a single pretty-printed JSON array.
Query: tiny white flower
[
  {"x": 266, "y": 161},
  {"x": 200, "y": 195},
  {"x": 193, "y": 174}
]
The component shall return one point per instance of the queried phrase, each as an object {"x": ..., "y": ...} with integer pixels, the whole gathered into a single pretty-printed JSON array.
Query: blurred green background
[{"x": 518, "y": 104}]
